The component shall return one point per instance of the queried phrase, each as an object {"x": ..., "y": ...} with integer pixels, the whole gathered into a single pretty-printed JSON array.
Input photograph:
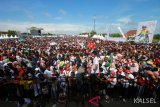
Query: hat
[
  {"x": 37, "y": 69},
  {"x": 113, "y": 74},
  {"x": 127, "y": 71},
  {"x": 29, "y": 74},
  {"x": 122, "y": 74},
  {"x": 120, "y": 70},
  {"x": 113, "y": 69}
]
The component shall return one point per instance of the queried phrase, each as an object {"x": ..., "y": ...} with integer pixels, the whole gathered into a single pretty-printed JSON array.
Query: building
[
  {"x": 131, "y": 33},
  {"x": 34, "y": 31},
  {"x": 2, "y": 33}
]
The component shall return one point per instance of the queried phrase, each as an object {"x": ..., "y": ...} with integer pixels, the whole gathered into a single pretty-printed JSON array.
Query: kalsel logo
[
  {"x": 145, "y": 100},
  {"x": 95, "y": 101}
]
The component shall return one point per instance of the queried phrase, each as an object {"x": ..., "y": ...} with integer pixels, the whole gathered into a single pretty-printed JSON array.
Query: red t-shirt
[
  {"x": 157, "y": 61},
  {"x": 1, "y": 58},
  {"x": 141, "y": 81},
  {"x": 20, "y": 72}
]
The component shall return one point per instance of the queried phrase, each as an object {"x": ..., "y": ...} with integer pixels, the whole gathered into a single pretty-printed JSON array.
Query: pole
[{"x": 121, "y": 32}]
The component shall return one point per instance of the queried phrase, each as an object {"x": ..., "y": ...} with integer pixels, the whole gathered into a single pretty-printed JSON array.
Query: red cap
[
  {"x": 127, "y": 71},
  {"x": 120, "y": 70},
  {"x": 113, "y": 74}
]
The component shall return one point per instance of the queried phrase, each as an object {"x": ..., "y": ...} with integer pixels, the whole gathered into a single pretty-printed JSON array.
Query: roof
[
  {"x": 131, "y": 33},
  {"x": 35, "y": 28},
  {"x": 1, "y": 32}
]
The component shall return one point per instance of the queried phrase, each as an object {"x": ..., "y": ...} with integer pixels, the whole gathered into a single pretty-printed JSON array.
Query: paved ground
[{"x": 87, "y": 104}]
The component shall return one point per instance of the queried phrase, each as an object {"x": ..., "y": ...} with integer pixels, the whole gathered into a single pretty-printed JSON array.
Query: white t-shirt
[
  {"x": 48, "y": 73},
  {"x": 131, "y": 76},
  {"x": 67, "y": 73},
  {"x": 114, "y": 81},
  {"x": 95, "y": 62},
  {"x": 104, "y": 68}
]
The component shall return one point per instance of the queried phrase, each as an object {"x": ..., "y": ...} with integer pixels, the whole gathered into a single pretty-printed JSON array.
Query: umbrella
[{"x": 53, "y": 43}]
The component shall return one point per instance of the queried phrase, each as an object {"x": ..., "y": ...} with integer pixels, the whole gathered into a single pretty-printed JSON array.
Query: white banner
[
  {"x": 145, "y": 31},
  {"x": 116, "y": 39}
]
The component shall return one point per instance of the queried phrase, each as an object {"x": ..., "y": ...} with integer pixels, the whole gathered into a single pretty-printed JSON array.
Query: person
[
  {"x": 111, "y": 83},
  {"x": 47, "y": 72},
  {"x": 123, "y": 65},
  {"x": 95, "y": 65},
  {"x": 144, "y": 33}
]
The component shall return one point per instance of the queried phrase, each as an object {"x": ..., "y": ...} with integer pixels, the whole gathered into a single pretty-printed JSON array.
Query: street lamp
[{"x": 94, "y": 23}]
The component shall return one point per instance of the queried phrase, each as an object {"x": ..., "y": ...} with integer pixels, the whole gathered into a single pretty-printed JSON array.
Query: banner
[
  {"x": 145, "y": 31},
  {"x": 116, "y": 39}
]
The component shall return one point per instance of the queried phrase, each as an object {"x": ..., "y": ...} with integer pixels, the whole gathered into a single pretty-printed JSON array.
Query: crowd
[{"x": 77, "y": 68}]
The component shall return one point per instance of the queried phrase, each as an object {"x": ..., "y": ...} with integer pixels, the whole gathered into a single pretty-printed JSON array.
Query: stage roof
[{"x": 35, "y": 28}]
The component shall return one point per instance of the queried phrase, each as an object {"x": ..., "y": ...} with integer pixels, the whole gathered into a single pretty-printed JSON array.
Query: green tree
[
  {"x": 92, "y": 33},
  {"x": 104, "y": 34},
  {"x": 115, "y": 35},
  {"x": 156, "y": 36},
  {"x": 11, "y": 32},
  {"x": 25, "y": 33},
  {"x": 50, "y": 34}
]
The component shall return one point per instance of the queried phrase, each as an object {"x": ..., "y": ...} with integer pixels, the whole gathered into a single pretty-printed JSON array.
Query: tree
[
  {"x": 104, "y": 34},
  {"x": 115, "y": 35},
  {"x": 50, "y": 34},
  {"x": 11, "y": 32},
  {"x": 156, "y": 36},
  {"x": 92, "y": 33}
]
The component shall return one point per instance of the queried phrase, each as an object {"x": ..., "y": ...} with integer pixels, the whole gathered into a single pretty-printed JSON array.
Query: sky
[{"x": 76, "y": 16}]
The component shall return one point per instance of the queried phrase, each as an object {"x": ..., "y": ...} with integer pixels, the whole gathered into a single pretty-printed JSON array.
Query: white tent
[
  {"x": 83, "y": 36},
  {"x": 11, "y": 36},
  {"x": 5, "y": 37},
  {"x": 98, "y": 37},
  {"x": 16, "y": 36}
]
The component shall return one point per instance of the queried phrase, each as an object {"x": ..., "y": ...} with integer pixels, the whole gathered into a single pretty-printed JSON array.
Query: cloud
[
  {"x": 58, "y": 18},
  {"x": 124, "y": 20},
  {"x": 48, "y": 27},
  {"x": 51, "y": 16},
  {"x": 29, "y": 15},
  {"x": 71, "y": 28},
  {"x": 63, "y": 12},
  {"x": 47, "y": 14}
]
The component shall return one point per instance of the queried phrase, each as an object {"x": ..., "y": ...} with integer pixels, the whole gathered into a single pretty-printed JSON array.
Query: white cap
[
  {"x": 37, "y": 69},
  {"x": 123, "y": 74},
  {"x": 113, "y": 69},
  {"x": 29, "y": 74}
]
